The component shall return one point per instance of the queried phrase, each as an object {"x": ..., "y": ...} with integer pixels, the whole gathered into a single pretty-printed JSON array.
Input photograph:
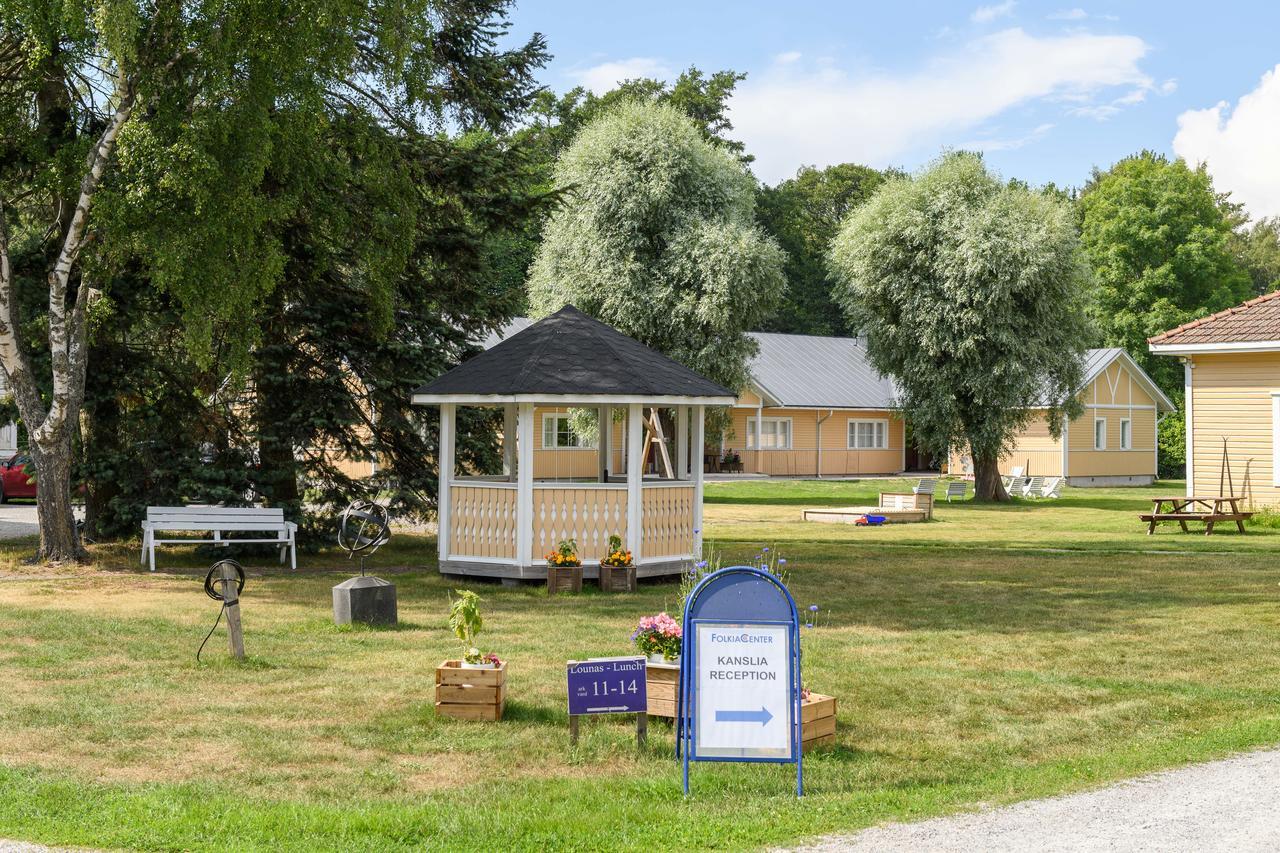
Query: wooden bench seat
[{"x": 218, "y": 520}]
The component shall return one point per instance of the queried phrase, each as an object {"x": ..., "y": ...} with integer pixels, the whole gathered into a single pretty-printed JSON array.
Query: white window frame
[
  {"x": 1126, "y": 433},
  {"x": 752, "y": 433},
  {"x": 584, "y": 443},
  {"x": 850, "y": 434},
  {"x": 1096, "y": 444}
]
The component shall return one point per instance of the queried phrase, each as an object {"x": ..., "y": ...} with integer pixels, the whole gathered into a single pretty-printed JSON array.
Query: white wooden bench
[
  {"x": 957, "y": 489},
  {"x": 217, "y": 520}
]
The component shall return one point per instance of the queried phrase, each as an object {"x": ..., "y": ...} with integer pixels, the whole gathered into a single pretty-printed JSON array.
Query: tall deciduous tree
[
  {"x": 1257, "y": 250},
  {"x": 175, "y": 111},
  {"x": 657, "y": 238},
  {"x": 971, "y": 294},
  {"x": 803, "y": 214},
  {"x": 1159, "y": 242}
]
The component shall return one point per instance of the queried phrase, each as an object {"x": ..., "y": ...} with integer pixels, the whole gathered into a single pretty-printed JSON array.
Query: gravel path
[{"x": 1232, "y": 805}]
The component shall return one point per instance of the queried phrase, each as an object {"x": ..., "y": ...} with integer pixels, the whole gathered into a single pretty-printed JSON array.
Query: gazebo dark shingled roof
[{"x": 570, "y": 353}]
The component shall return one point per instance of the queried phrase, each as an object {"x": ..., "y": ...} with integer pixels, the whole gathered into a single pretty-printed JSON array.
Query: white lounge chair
[
  {"x": 1015, "y": 474},
  {"x": 1052, "y": 488},
  {"x": 957, "y": 489},
  {"x": 925, "y": 486},
  {"x": 1017, "y": 485},
  {"x": 1034, "y": 488}
]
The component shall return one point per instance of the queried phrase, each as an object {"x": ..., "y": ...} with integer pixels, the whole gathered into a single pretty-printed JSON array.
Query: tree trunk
[
  {"x": 59, "y": 542},
  {"x": 987, "y": 485}
]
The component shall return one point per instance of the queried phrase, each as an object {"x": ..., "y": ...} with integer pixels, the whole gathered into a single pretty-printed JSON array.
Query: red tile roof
[{"x": 1255, "y": 320}]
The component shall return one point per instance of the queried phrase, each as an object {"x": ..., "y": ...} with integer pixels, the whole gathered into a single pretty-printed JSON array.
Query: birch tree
[
  {"x": 971, "y": 293},
  {"x": 137, "y": 135}
]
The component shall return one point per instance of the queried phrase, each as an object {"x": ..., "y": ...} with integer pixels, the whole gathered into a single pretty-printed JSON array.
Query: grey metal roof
[
  {"x": 570, "y": 354},
  {"x": 1098, "y": 360},
  {"x": 807, "y": 371}
]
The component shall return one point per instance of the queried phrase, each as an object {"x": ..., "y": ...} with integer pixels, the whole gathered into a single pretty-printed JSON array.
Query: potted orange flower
[
  {"x": 564, "y": 568},
  {"x": 617, "y": 568}
]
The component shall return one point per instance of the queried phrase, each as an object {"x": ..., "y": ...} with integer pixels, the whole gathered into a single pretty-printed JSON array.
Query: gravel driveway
[
  {"x": 1232, "y": 804},
  {"x": 17, "y": 520}
]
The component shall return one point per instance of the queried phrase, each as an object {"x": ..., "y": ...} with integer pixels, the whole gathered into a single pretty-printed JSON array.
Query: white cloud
[
  {"x": 1007, "y": 143},
  {"x": 787, "y": 58},
  {"x": 1076, "y": 14},
  {"x": 789, "y": 115},
  {"x": 607, "y": 75},
  {"x": 1239, "y": 145},
  {"x": 986, "y": 14}
]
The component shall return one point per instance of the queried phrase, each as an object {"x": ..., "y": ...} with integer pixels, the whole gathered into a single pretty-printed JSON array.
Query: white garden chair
[
  {"x": 957, "y": 489},
  {"x": 1034, "y": 488},
  {"x": 1017, "y": 485},
  {"x": 1015, "y": 474},
  {"x": 1052, "y": 488},
  {"x": 925, "y": 486}
]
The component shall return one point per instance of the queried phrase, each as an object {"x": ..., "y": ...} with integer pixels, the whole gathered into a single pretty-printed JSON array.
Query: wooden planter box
[
  {"x": 470, "y": 694},
  {"x": 662, "y": 683},
  {"x": 564, "y": 579},
  {"x": 817, "y": 721},
  {"x": 617, "y": 578}
]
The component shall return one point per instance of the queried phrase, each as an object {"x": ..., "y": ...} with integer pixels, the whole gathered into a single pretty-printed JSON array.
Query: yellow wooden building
[
  {"x": 815, "y": 407},
  {"x": 1231, "y": 369},
  {"x": 1113, "y": 442}
]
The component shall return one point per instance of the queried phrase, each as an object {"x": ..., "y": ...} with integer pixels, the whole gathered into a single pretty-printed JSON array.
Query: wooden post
[
  {"x": 231, "y": 601},
  {"x": 448, "y": 421},
  {"x": 573, "y": 730},
  {"x": 635, "y": 482},
  {"x": 642, "y": 729}
]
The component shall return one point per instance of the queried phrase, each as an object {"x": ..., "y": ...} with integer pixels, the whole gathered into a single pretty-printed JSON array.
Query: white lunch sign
[{"x": 744, "y": 703}]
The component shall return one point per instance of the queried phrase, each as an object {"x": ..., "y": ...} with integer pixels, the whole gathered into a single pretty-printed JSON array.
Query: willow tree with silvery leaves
[
  {"x": 657, "y": 238},
  {"x": 971, "y": 294},
  {"x": 136, "y": 138}
]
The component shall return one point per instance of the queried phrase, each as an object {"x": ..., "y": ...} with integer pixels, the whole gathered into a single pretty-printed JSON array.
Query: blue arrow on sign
[{"x": 762, "y": 716}]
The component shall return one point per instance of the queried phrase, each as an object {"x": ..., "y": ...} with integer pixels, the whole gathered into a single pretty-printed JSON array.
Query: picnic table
[{"x": 1210, "y": 510}]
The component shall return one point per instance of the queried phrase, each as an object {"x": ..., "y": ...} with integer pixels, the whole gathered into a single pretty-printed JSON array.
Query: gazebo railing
[{"x": 483, "y": 522}]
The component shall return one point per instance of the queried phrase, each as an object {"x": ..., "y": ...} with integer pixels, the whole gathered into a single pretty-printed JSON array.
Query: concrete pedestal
[{"x": 365, "y": 599}]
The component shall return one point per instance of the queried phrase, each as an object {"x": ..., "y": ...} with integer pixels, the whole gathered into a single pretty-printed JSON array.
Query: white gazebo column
[
  {"x": 699, "y": 439},
  {"x": 683, "y": 457},
  {"x": 635, "y": 481},
  {"x": 604, "y": 443},
  {"x": 524, "y": 485},
  {"x": 509, "y": 441},
  {"x": 448, "y": 423}
]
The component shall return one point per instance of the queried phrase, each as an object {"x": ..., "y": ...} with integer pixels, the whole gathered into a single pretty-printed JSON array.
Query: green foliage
[
  {"x": 1171, "y": 437},
  {"x": 657, "y": 238},
  {"x": 1159, "y": 241},
  {"x": 286, "y": 248},
  {"x": 971, "y": 294},
  {"x": 1257, "y": 250},
  {"x": 465, "y": 620},
  {"x": 804, "y": 214},
  {"x": 554, "y": 121}
]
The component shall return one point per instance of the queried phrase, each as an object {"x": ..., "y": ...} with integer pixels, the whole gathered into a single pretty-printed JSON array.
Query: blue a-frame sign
[{"x": 740, "y": 672}]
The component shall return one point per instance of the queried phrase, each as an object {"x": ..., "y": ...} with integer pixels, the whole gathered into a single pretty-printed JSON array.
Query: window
[
  {"x": 558, "y": 434},
  {"x": 1099, "y": 433},
  {"x": 775, "y": 433},
  {"x": 868, "y": 435},
  {"x": 1126, "y": 434}
]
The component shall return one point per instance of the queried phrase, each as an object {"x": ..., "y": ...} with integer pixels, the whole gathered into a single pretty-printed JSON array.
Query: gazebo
[{"x": 500, "y": 526}]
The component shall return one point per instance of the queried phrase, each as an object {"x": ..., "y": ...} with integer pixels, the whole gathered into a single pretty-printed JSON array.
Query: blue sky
[{"x": 1047, "y": 90}]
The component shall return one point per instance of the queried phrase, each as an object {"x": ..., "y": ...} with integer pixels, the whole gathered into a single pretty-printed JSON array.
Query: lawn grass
[{"x": 992, "y": 655}]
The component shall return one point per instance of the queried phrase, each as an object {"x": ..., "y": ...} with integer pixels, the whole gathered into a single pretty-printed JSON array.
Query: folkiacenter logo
[{"x": 744, "y": 637}]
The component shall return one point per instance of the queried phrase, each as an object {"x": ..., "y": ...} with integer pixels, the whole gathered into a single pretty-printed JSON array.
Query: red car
[{"x": 15, "y": 482}]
